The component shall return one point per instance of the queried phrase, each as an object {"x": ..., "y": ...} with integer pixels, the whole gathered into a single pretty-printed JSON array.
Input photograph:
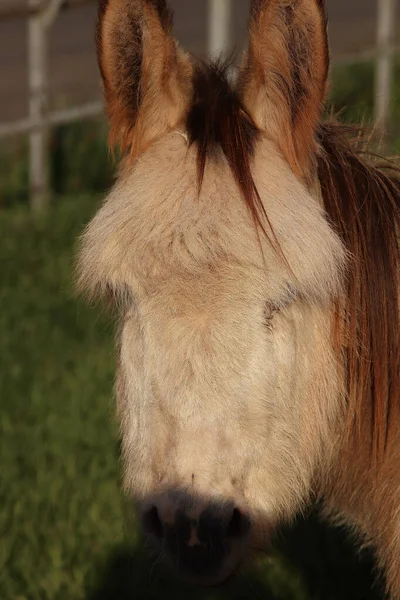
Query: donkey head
[{"x": 225, "y": 271}]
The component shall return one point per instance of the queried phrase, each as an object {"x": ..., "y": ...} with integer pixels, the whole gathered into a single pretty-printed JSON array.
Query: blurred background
[{"x": 65, "y": 531}]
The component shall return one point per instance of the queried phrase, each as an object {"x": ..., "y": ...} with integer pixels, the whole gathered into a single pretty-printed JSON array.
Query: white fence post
[
  {"x": 219, "y": 25},
  {"x": 385, "y": 62},
  {"x": 51, "y": 11},
  {"x": 38, "y": 101}
]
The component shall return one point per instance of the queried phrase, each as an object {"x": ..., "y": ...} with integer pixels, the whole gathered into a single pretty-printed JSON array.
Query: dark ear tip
[
  {"x": 160, "y": 6},
  {"x": 322, "y": 7},
  {"x": 164, "y": 12},
  {"x": 102, "y": 6},
  {"x": 256, "y": 6}
]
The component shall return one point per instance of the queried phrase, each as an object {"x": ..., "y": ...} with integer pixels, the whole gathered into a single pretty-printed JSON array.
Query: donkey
[{"x": 253, "y": 257}]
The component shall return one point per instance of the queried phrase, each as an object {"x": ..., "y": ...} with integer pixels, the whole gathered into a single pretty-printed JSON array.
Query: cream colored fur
[{"x": 226, "y": 367}]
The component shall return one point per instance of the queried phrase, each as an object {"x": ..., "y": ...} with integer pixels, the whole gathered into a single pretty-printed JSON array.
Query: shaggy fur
[
  {"x": 283, "y": 80},
  {"x": 146, "y": 77},
  {"x": 255, "y": 258}
]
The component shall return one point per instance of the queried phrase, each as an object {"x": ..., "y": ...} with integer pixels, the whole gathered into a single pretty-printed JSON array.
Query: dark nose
[{"x": 198, "y": 547}]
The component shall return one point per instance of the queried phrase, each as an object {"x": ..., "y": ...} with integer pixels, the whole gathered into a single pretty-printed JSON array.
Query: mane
[
  {"x": 217, "y": 122},
  {"x": 362, "y": 201}
]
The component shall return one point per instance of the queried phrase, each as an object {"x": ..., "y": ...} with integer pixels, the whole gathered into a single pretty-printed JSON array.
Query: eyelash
[{"x": 272, "y": 308}]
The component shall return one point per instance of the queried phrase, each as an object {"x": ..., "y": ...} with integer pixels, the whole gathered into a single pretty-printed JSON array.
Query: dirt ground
[{"x": 73, "y": 71}]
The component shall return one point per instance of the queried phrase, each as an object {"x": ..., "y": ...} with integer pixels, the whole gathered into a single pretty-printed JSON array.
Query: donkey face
[{"x": 228, "y": 389}]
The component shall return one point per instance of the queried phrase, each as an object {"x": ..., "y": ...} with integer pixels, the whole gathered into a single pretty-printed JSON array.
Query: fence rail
[
  {"x": 41, "y": 15},
  {"x": 59, "y": 117},
  {"x": 23, "y": 10}
]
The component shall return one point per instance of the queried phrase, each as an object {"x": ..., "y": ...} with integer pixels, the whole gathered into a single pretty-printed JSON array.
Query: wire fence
[{"x": 41, "y": 15}]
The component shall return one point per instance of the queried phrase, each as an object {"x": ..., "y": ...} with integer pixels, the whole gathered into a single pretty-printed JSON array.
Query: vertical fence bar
[
  {"x": 219, "y": 25},
  {"x": 385, "y": 62},
  {"x": 53, "y": 7},
  {"x": 38, "y": 102}
]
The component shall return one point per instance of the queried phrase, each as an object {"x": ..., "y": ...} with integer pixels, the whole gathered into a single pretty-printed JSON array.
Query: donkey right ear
[
  {"x": 283, "y": 79},
  {"x": 147, "y": 79}
]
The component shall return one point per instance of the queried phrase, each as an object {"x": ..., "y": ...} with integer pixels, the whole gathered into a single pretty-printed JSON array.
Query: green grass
[
  {"x": 61, "y": 513},
  {"x": 352, "y": 92},
  {"x": 351, "y": 96},
  {"x": 58, "y": 451},
  {"x": 79, "y": 162}
]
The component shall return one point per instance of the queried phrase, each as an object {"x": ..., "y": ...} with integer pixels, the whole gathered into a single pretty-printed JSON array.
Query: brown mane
[
  {"x": 363, "y": 205},
  {"x": 217, "y": 122}
]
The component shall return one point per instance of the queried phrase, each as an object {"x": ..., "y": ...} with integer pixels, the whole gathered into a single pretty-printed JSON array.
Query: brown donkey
[{"x": 254, "y": 260}]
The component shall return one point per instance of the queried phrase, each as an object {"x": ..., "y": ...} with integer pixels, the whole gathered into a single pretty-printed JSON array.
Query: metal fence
[{"x": 41, "y": 15}]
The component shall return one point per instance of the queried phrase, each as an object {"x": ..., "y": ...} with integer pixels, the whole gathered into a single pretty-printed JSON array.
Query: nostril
[
  {"x": 152, "y": 523},
  {"x": 238, "y": 525}
]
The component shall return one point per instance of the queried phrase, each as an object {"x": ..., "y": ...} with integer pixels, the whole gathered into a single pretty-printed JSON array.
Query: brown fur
[
  {"x": 146, "y": 77},
  {"x": 362, "y": 487},
  {"x": 363, "y": 203},
  {"x": 288, "y": 62},
  {"x": 267, "y": 377}
]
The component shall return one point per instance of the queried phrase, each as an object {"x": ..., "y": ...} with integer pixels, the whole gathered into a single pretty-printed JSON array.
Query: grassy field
[{"x": 58, "y": 450}]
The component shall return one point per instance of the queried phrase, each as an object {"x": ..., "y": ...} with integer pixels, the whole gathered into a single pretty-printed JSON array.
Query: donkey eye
[
  {"x": 273, "y": 307},
  {"x": 270, "y": 310},
  {"x": 120, "y": 297}
]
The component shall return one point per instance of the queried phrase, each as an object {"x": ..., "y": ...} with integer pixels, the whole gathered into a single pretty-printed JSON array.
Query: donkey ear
[
  {"x": 283, "y": 80},
  {"x": 147, "y": 79}
]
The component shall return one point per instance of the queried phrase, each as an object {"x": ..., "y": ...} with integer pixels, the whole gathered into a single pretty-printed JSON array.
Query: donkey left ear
[
  {"x": 146, "y": 77},
  {"x": 284, "y": 77}
]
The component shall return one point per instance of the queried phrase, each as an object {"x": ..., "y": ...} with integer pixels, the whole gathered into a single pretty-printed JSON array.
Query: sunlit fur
[{"x": 239, "y": 292}]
